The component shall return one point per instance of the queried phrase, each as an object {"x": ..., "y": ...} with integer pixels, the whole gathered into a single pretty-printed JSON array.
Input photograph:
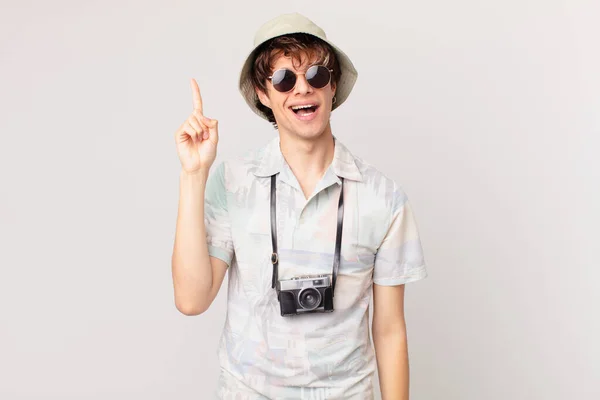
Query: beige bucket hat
[{"x": 287, "y": 24}]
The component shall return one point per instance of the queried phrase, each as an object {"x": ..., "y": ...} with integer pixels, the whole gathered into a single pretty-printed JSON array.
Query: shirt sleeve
[
  {"x": 216, "y": 216},
  {"x": 399, "y": 258}
]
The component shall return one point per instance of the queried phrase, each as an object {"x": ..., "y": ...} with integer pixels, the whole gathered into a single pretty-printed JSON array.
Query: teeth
[{"x": 301, "y": 107}]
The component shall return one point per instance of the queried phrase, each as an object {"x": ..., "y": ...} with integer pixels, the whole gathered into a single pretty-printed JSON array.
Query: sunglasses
[{"x": 317, "y": 76}]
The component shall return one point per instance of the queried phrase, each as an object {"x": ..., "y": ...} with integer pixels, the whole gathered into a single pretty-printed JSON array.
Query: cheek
[
  {"x": 278, "y": 102},
  {"x": 272, "y": 99}
]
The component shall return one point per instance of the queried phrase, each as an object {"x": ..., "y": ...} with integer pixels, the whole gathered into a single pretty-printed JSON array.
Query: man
[{"x": 298, "y": 216}]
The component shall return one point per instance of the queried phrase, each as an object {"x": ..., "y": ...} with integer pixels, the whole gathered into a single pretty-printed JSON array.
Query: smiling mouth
[{"x": 304, "y": 111}]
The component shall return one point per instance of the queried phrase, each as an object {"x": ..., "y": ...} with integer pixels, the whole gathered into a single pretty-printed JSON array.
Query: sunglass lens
[
  {"x": 318, "y": 76},
  {"x": 283, "y": 80}
]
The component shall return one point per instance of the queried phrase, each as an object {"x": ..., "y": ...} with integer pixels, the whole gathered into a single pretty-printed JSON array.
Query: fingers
[
  {"x": 197, "y": 103},
  {"x": 199, "y": 131},
  {"x": 214, "y": 131},
  {"x": 193, "y": 133},
  {"x": 199, "y": 127},
  {"x": 198, "y": 112},
  {"x": 209, "y": 123},
  {"x": 201, "y": 120},
  {"x": 202, "y": 128}
]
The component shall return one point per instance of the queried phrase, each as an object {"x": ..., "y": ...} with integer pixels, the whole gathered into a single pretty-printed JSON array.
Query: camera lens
[{"x": 309, "y": 298}]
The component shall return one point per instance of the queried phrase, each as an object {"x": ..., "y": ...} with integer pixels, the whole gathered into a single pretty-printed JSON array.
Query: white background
[{"x": 485, "y": 112}]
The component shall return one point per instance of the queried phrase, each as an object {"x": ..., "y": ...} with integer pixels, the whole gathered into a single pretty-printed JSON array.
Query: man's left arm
[
  {"x": 398, "y": 261},
  {"x": 390, "y": 340}
]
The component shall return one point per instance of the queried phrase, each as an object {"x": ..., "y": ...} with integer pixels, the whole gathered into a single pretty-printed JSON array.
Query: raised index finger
[{"x": 197, "y": 97}]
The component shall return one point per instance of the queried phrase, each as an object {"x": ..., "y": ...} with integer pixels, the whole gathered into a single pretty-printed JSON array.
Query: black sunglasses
[{"x": 317, "y": 76}]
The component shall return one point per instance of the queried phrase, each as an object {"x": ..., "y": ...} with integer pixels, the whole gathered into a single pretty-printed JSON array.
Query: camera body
[{"x": 305, "y": 294}]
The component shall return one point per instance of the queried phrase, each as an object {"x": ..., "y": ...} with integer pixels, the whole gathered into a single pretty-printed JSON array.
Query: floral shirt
[{"x": 314, "y": 355}]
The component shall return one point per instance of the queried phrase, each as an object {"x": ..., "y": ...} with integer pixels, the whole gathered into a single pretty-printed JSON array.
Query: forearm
[
  {"x": 392, "y": 365},
  {"x": 191, "y": 267}
]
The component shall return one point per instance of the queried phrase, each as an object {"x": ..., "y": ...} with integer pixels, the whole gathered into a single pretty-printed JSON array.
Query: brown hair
[{"x": 295, "y": 45}]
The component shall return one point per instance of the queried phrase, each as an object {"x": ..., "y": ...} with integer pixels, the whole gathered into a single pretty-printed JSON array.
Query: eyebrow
[{"x": 318, "y": 62}]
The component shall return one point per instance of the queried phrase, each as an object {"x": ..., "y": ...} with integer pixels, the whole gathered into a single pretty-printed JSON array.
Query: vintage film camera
[{"x": 305, "y": 294}]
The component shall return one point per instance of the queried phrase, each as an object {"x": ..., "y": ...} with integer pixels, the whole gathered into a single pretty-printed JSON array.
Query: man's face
[{"x": 299, "y": 123}]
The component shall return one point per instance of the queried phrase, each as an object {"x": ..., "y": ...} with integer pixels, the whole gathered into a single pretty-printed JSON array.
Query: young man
[{"x": 306, "y": 231}]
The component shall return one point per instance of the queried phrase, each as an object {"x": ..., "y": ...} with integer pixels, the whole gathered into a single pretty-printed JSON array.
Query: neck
[{"x": 308, "y": 158}]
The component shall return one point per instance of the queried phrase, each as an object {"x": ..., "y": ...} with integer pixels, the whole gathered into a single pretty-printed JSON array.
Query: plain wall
[{"x": 485, "y": 112}]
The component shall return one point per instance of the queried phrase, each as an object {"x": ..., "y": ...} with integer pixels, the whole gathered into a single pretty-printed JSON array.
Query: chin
[
  {"x": 307, "y": 130},
  {"x": 310, "y": 131}
]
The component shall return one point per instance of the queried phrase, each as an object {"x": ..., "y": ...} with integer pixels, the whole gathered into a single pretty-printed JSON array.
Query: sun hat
[{"x": 287, "y": 24}]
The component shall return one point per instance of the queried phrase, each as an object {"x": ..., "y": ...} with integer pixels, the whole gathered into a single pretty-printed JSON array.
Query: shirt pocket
[
  {"x": 253, "y": 249},
  {"x": 358, "y": 254},
  {"x": 356, "y": 268}
]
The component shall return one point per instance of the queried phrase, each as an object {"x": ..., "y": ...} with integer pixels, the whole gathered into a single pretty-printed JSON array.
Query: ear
[
  {"x": 263, "y": 97},
  {"x": 333, "y": 89}
]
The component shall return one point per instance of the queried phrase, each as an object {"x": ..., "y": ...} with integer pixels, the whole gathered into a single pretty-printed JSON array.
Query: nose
[{"x": 302, "y": 87}]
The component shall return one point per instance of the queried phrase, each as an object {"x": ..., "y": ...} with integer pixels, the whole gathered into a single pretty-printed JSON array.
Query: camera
[
  {"x": 309, "y": 293},
  {"x": 305, "y": 294}
]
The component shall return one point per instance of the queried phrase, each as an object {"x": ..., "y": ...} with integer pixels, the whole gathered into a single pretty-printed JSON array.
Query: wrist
[{"x": 199, "y": 174}]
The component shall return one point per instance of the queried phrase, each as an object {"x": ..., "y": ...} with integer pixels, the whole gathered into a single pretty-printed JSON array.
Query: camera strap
[{"x": 338, "y": 236}]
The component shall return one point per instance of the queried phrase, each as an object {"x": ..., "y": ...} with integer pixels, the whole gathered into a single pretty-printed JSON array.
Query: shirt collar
[{"x": 272, "y": 162}]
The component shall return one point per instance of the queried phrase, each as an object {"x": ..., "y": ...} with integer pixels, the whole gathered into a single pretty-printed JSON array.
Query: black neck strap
[{"x": 338, "y": 237}]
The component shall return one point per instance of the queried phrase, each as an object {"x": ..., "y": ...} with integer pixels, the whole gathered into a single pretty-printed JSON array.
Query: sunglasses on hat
[{"x": 284, "y": 80}]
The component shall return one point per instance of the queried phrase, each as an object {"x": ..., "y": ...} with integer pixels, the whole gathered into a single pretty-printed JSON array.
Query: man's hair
[{"x": 296, "y": 46}]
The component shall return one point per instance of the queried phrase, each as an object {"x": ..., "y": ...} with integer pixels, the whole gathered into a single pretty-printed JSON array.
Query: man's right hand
[{"x": 197, "y": 137}]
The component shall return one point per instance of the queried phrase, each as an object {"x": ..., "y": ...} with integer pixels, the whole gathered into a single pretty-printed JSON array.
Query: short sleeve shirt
[{"x": 314, "y": 355}]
